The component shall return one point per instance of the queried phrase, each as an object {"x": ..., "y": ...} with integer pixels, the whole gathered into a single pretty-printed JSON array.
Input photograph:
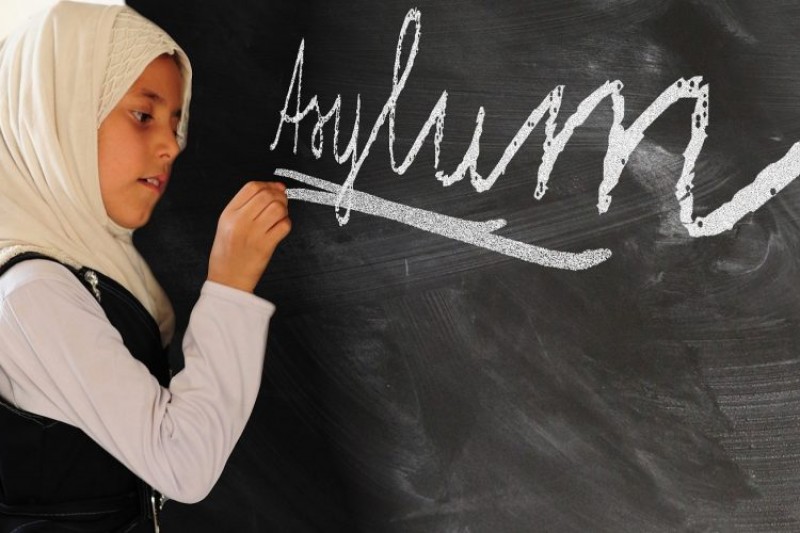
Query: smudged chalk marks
[{"x": 621, "y": 143}]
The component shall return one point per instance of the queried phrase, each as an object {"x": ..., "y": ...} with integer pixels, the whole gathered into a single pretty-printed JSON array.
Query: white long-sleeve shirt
[{"x": 61, "y": 358}]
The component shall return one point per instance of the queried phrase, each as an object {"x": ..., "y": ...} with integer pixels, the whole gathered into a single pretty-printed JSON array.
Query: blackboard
[{"x": 423, "y": 380}]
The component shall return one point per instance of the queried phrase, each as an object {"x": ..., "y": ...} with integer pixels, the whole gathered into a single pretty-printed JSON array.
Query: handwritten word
[{"x": 621, "y": 143}]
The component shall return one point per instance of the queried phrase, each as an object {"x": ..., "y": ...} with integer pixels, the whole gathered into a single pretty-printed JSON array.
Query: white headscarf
[{"x": 60, "y": 75}]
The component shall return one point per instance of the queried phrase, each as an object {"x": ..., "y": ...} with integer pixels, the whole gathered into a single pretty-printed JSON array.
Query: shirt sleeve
[{"x": 63, "y": 359}]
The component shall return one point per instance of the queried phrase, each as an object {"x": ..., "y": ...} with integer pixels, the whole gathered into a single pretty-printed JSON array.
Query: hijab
[{"x": 60, "y": 76}]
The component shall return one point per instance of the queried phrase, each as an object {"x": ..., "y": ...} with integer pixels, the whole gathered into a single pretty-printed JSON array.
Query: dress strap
[{"x": 25, "y": 256}]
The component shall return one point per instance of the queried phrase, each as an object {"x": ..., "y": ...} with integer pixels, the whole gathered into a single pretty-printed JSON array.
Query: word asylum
[{"x": 621, "y": 143}]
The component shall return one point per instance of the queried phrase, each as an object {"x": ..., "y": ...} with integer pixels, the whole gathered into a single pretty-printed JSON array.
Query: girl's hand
[{"x": 249, "y": 229}]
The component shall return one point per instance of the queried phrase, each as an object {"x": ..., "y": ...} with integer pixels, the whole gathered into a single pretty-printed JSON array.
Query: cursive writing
[{"x": 621, "y": 143}]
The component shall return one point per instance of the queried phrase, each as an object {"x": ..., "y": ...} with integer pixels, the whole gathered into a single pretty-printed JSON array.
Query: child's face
[{"x": 136, "y": 144}]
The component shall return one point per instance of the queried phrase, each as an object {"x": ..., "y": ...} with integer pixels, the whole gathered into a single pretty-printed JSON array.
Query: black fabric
[{"x": 53, "y": 477}]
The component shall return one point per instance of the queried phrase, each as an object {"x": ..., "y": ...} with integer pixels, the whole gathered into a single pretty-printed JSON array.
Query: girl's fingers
[
  {"x": 260, "y": 201},
  {"x": 252, "y": 189},
  {"x": 249, "y": 229},
  {"x": 272, "y": 213}
]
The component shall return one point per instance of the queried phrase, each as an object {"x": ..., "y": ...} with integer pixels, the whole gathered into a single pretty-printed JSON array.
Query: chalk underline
[{"x": 480, "y": 234}]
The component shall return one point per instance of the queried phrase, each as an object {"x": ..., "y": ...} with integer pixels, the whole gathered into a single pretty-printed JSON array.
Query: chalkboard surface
[{"x": 455, "y": 351}]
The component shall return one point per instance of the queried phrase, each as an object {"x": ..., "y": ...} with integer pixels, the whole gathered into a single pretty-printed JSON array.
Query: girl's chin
[{"x": 131, "y": 221}]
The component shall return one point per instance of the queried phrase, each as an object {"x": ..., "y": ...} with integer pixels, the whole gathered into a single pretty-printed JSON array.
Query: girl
[{"x": 93, "y": 112}]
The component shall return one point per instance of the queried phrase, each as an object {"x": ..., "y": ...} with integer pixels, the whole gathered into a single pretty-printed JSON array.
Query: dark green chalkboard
[{"x": 419, "y": 383}]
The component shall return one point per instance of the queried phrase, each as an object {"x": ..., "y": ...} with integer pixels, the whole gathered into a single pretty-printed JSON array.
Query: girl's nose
[{"x": 168, "y": 147}]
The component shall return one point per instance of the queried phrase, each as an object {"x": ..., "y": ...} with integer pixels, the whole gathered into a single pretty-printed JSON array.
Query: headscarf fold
[{"x": 60, "y": 76}]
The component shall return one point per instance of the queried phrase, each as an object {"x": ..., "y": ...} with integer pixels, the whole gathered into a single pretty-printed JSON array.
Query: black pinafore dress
[{"x": 54, "y": 477}]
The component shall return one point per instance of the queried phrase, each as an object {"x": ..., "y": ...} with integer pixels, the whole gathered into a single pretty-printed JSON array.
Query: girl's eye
[{"x": 141, "y": 116}]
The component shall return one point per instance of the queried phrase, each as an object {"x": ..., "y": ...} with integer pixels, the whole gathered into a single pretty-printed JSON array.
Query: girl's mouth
[{"x": 154, "y": 182}]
